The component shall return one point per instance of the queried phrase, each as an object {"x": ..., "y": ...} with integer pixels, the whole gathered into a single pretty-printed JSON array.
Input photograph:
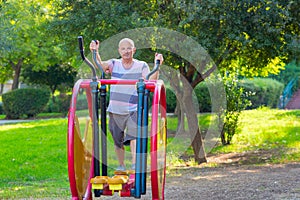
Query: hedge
[
  {"x": 201, "y": 97},
  {"x": 61, "y": 104},
  {"x": 259, "y": 91},
  {"x": 262, "y": 92},
  {"x": 26, "y": 101},
  {"x": 171, "y": 100},
  {"x": 1, "y": 108}
]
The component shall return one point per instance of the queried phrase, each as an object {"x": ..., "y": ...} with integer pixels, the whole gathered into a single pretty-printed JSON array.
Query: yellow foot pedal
[
  {"x": 98, "y": 182},
  {"x": 120, "y": 173},
  {"x": 131, "y": 171},
  {"x": 124, "y": 172},
  {"x": 117, "y": 181}
]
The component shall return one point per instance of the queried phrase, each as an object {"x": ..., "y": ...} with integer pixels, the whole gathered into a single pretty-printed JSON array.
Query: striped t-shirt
[{"x": 124, "y": 98}]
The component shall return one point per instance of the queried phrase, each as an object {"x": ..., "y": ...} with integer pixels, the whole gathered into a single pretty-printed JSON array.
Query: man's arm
[
  {"x": 159, "y": 57},
  {"x": 94, "y": 45},
  {"x": 154, "y": 76}
]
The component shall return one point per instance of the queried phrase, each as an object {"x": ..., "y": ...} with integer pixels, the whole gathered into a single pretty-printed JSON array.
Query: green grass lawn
[
  {"x": 33, "y": 161},
  {"x": 268, "y": 130}
]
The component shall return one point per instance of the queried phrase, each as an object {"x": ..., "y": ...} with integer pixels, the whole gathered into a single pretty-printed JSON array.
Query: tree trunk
[
  {"x": 194, "y": 129},
  {"x": 223, "y": 140},
  {"x": 180, "y": 117},
  {"x": 1, "y": 89},
  {"x": 52, "y": 94},
  {"x": 17, "y": 73},
  {"x": 185, "y": 108},
  {"x": 198, "y": 148}
]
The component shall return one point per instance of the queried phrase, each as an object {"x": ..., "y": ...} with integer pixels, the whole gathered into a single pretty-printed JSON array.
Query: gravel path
[
  {"x": 267, "y": 182},
  {"x": 236, "y": 182}
]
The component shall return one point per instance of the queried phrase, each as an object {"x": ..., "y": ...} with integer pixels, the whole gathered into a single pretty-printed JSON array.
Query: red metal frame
[
  {"x": 150, "y": 84},
  {"x": 158, "y": 106},
  {"x": 70, "y": 141}
]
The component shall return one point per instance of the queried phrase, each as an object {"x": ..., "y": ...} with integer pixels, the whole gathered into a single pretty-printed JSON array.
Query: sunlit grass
[
  {"x": 34, "y": 161},
  {"x": 267, "y": 129}
]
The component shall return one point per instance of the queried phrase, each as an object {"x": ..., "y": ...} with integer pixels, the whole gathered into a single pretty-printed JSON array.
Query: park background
[{"x": 254, "y": 45}]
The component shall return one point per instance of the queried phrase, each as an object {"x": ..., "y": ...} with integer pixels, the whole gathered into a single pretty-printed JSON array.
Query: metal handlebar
[
  {"x": 80, "y": 41},
  {"x": 94, "y": 78},
  {"x": 154, "y": 70},
  {"x": 97, "y": 63}
]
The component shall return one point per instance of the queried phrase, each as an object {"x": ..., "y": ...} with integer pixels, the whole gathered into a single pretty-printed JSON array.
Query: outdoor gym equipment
[{"x": 87, "y": 170}]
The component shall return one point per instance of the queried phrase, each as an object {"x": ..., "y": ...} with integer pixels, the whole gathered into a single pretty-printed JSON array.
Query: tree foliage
[
  {"x": 248, "y": 37},
  {"x": 254, "y": 37},
  {"x": 54, "y": 76},
  {"x": 26, "y": 40},
  {"x": 25, "y": 101}
]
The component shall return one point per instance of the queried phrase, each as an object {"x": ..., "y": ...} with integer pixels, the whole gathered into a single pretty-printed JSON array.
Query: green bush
[
  {"x": 291, "y": 71},
  {"x": 1, "y": 108},
  {"x": 262, "y": 92},
  {"x": 61, "y": 104},
  {"x": 27, "y": 101},
  {"x": 259, "y": 91},
  {"x": 203, "y": 96},
  {"x": 171, "y": 100},
  {"x": 81, "y": 103}
]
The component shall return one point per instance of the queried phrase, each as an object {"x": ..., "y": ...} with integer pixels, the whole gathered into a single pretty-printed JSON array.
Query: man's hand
[
  {"x": 159, "y": 57},
  {"x": 94, "y": 45}
]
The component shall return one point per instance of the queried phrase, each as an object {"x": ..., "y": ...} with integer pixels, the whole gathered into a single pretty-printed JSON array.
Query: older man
[{"x": 123, "y": 98}]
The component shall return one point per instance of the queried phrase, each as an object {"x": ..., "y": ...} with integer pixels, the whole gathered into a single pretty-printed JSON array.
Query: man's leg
[
  {"x": 132, "y": 130},
  {"x": 116, "y": 127},
  {"x": 121, "y": 155},
  {"x": 133, "y": 151}
]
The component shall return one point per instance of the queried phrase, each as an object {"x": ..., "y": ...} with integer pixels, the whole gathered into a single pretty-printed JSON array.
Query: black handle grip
[
  {"x": 80, "y": 42},
  {"x": 95, "y": 41},
  {"x": 156, "y": 67},
  {"x": 81, "y": 49}
]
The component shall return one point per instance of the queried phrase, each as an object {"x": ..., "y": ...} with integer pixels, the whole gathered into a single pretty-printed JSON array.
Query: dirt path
[
  {"x": 235, "y": 178},
  {"x": 238, "y": 176},
  {"x": 236, "y": 182}
]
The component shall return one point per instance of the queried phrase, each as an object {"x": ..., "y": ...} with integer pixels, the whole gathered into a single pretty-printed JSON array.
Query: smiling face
[{"x": 126, "y": 49}]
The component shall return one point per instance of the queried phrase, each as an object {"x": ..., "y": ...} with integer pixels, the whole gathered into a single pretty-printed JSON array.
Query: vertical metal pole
[
  {"x": 94, "y": 87},
  {"x": 145, "y": 142},
  {"x": 103, "y": 129},
  {"x": 103, "y": 117},
  {"x": 138, "y": 169}
]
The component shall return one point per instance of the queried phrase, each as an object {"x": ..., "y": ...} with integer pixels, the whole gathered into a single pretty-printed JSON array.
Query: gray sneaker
[
  {"x": 121, "y": 168},
  {"x": 133, "y": 167}
]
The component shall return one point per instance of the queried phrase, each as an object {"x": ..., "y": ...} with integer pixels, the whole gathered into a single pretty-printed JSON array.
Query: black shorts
[{"x": 117, "y": 126}]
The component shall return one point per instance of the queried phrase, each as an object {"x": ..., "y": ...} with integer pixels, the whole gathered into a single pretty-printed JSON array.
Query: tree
[
  {"x": 26, "y": 40},
  {"x": 53, "y": 77},
  {"x": 248, "y": 36},
  {"x": 293, "y": 26},
  {"x": 5, "y": 75},
  {"x": 251, "y": 36}
]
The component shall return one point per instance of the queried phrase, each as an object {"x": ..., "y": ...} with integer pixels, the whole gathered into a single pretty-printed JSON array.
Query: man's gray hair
[{"x": 130, "y": 41}]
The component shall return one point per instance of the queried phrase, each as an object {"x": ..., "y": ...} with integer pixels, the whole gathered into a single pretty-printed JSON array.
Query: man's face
[{"x": 126, "y": 50}]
